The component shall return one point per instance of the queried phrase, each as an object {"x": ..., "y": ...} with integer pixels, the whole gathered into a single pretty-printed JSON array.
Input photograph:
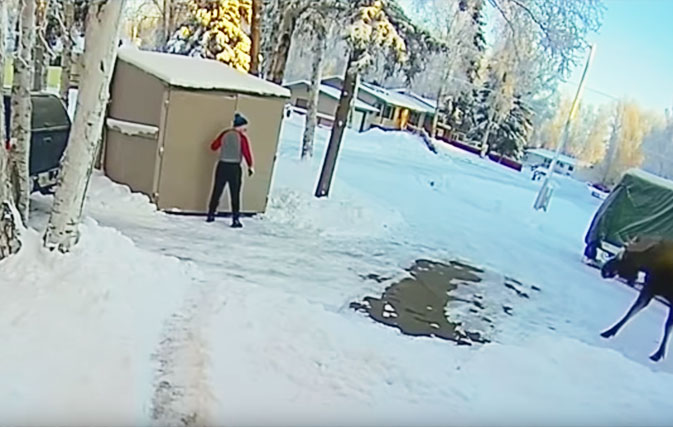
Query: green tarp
[{"x": 640, "y": 205}]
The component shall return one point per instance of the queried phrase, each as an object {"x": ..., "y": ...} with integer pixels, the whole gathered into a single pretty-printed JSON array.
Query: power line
[{"x": 599, "y": 92}]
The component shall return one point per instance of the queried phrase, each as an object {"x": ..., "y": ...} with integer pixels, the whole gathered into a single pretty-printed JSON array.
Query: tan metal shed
[{"x": 166, "y": 109}]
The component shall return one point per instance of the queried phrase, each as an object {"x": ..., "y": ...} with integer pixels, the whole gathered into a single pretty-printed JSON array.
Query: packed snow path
[{"x": 266, "y": 336}]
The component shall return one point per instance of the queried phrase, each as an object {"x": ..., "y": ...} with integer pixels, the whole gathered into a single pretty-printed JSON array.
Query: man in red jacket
[{"x": 234, "y": 147}]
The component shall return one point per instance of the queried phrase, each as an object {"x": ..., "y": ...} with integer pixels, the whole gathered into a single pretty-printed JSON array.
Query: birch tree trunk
[
  {"x": 282, "y": 50},
  {"x": 340, "y": 122},
  {"x": 100, "y": 52},
  {"x": 22, "y": 110},
  {"x": 41, "y": 64},
  {"x": 66, "y": 54},
  {"x": 256, "y": 36},
  {"x": 313, "y": 96},
  {"x": 9, "y": 234}
]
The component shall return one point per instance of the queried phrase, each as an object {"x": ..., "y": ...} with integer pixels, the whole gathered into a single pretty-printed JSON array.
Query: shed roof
[
  {"x": 335, "y": 93},
  {"x": 198, "y": 73}
]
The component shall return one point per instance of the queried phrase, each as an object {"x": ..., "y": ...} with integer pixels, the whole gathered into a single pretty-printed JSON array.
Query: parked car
[
  {"x": 49, "y": 136},
  {"x": 599, "y": 190},
  {"x": 539, "y": 172}
]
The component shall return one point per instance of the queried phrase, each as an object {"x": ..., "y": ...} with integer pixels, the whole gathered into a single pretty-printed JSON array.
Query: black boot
[
  {"x": 210, "y": 218},
  {"x": 236, "y": 223}
]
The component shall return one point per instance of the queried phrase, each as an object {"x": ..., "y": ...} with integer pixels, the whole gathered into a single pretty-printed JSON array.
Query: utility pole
[{"x": 544, "y": 196}]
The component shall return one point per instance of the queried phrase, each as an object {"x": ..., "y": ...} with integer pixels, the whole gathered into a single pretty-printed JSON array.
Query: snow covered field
[{"x": 196, "y": 322}]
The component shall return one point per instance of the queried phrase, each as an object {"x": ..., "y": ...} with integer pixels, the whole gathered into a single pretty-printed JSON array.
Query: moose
[{"x": 653, "y": 257}]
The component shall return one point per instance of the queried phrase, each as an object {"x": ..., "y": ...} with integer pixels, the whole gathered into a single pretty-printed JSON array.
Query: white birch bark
[
  {"x": 40, "y": 56},
  {"x": 313, "y": 96},
  {"x": 22, "y": 110},
  {"x": 66, "y": 54},
  {"x": 100, "y": 52},
  {"x": 9, "y": 234}
]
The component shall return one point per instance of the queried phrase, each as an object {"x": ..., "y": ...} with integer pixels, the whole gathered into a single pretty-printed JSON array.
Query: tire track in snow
[{"x": 182, "y": 394}]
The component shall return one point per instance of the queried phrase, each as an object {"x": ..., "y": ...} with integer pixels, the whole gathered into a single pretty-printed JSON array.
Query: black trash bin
[{"x": 50, "y": 131}]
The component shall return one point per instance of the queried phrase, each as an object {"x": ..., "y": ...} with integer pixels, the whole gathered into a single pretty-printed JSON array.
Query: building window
[
  {"x": 301, "y": 103},
  {"x": 388, "y": 111}
]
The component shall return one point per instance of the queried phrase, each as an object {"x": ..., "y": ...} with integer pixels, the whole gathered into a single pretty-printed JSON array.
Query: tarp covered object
[{"x": 640, "y": 205}]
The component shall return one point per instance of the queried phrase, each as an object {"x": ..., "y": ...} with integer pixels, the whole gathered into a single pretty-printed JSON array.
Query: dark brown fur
[{"x": 654, "y": 257}]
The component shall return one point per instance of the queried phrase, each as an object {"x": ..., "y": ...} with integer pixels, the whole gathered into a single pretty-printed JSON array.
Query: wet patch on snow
[{"x": 445, "y": 300}]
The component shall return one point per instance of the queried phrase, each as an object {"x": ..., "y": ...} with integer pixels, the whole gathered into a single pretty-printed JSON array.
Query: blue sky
[{"x": 634, "y": 54}]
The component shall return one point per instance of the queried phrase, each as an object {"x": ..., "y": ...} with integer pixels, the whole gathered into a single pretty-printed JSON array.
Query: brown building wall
[
  {"x": 130, "y": 160},
  {"x": 136, "y": 95}
]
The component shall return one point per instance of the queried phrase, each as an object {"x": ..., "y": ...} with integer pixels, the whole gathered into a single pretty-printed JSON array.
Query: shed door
[
  {"x": 193, "y": 120},
  {"x": 265, "y": 116}
]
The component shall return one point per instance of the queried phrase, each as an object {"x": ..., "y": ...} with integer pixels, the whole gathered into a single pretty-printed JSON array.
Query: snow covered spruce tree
[
  {"x": 459, "y": 107},
  {"x": 216, "y": 29},
  {"x": 509, "y": 139},
  {"x": 464, "y": 37},
  {"x": 369, "y": 29},
  {"x": 496, "y": 97},
  {"x": 22, "y": 110},
  {"x": 100, "y": 51},
  {"x": 9, "y": 219}
]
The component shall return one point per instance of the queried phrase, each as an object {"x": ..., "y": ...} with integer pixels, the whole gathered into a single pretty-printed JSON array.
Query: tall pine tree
[
  {"x": 216, "y": 29},
  {"x": 510, "y": 137},
  {"x": 458, "y": 111}
]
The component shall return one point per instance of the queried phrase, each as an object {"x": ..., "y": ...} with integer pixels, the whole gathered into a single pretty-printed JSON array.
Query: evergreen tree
[
  {"x": 506, "y": 120},
  {"x": 458, "y": 111},
  {"x": 510, "y": 138},
  {"x": 216, "y": 29}
]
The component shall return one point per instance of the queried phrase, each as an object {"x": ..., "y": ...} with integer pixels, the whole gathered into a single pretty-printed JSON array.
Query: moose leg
[
  {"x": 641, "y": 302},
  {"x": 667, "y": 332}
]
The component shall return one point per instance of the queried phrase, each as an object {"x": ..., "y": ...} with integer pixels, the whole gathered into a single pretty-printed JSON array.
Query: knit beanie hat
[{"x": 240, "y": 120}]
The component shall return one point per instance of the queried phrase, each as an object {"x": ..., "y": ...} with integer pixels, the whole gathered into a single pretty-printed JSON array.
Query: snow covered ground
[{"x": 195, "y": 322}]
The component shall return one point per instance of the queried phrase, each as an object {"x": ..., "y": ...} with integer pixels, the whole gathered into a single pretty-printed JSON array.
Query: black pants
[{"x": 227, "y": 173}]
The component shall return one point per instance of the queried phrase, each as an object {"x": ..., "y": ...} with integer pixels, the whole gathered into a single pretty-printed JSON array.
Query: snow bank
[
  {"x": 79, "y": 330},
  {"x": 106, "y": 195},
  {"x": 351, "y": 215}
]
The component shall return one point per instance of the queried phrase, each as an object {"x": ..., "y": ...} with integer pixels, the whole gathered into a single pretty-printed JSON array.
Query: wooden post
[{"x": 338, "y": 128}]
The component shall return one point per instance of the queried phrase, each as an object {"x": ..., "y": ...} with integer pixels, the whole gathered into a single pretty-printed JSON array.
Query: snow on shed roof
[
  {"x": 198, "y": 73},
  {"x": 335, "y": 93},
  {"x": 654, "y": 179}
]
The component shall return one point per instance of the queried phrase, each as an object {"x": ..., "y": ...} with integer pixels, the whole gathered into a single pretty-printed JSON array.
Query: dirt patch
[{"x": 417, "y": 305}]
